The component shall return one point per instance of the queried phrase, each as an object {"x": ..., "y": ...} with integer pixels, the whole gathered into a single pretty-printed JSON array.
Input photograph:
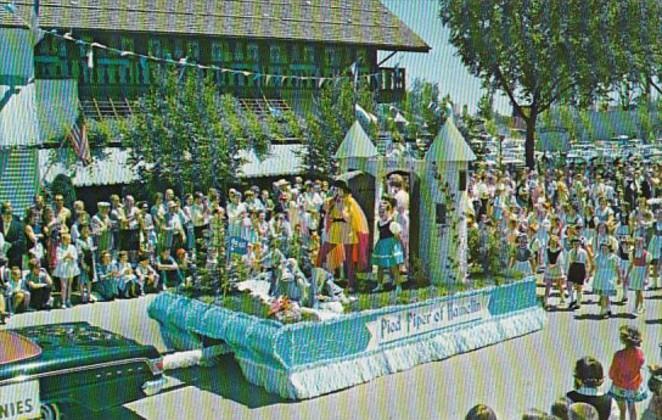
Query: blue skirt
[
  {"x": 388, "y": 253},
  {"x": 629, "y": 395}
]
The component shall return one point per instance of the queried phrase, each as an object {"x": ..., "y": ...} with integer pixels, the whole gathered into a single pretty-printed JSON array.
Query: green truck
[{"x": 62, "y": 370}]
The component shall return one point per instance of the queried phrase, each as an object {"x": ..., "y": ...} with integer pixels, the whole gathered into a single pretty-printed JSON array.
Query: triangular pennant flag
[
  {"x": 246, "y": 73},
  {"x": 225, "y": 70},
  {"x": 321, "y": 82},
  {"x": 267, "y": 78},
  {"x": 126, "y": 53}
]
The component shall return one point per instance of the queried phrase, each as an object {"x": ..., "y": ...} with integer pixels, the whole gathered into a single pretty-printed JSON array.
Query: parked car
[{"x": 63, "y": 370}]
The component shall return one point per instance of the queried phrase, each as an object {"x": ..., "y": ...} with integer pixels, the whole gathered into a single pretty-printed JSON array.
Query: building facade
[{"x": 287, "y": 40}]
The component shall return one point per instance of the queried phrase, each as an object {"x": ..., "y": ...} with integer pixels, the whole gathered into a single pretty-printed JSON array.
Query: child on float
[
  {"x": 66, "y": 268},
  {"x": 147, "y": 275},
  {"x": 579, "y": 264},
  {"x": 628, "y": 385},
  {"x": 637, "y": 273},
  {"x": 606, "y": 277},
  {"x": 86, "y": 250},
  {"x": 388, "y": 253},
  {"x": 554, "y": 269},
  {"x": 107, "y": 284},
  {"x": 129, "y": 286},
  {"x": 520, "y": 262},
  {"x": 589, "y": 376}
]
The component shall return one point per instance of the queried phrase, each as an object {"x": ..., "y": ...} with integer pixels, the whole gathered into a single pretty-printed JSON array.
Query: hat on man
[{"x": 103, "y": 204}]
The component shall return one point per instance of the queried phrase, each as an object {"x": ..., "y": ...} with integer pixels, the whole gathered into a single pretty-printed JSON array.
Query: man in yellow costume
[{"x": 347, "y": 236}]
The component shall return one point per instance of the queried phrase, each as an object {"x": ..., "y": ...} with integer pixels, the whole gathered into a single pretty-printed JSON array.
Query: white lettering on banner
[
  {"x": 411, "y": 322},
  {"x": 19, "y": 401}
]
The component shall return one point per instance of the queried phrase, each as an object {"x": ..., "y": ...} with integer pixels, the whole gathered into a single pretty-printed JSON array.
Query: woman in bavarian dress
[
  {"x": 607, "y": 276},
  {"x": 388, "y": 253},
  {"x": 637, "y": 274},
  {"x": 521, "y": 259}
]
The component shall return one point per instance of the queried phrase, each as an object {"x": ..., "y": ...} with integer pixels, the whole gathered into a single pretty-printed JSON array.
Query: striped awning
[
  {"x": 283, "y": 159},
  {"x": 109, "y": 167}
]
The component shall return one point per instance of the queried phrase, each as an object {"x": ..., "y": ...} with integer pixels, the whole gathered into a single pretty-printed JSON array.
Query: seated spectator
[
  {"x": 589, "y": 376},
  {"x": 11, "y": 284},
  {"x": 107, "y": 284},
  {"x": 129, "y": 287},
  {"x": 582, "y": 411},
  {"x": 147, "y": 275},
  {"x": 187, "y": 268},
  {"x": 169, "y": 273},
  {"x": 480, "y": 412},
  {"x": 39, "y": 284}
]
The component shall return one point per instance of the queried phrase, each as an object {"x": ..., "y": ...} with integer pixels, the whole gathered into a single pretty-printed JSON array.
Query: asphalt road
[{"x": 530, "y": 371}]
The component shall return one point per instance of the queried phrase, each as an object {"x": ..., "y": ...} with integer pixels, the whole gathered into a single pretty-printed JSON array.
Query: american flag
[{"x": 78, "y": 139}]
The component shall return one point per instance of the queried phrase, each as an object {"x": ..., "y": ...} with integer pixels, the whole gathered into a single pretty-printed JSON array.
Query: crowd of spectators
[{"x": 583, "y": 227}]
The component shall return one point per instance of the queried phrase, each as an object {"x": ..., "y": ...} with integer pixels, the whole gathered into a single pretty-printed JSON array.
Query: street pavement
[{"x": 526, "y": 372}]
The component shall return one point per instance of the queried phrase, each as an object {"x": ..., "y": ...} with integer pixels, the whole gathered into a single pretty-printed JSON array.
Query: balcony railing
[{"x": 389, "y": 85}]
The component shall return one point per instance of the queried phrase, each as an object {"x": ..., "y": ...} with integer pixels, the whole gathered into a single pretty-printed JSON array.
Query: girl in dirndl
[
  {"x": 623, "y": 252},
  {"x": 388, "y": 253},
  {"x": 655, "y": 248},
  {"x": 579, "y": 264},
  {"x": 554, "y": 269},
  {"x": 607, "y": 276},
  {"x": 521, "y": 259},
  {"x": 637, "y": 274}
]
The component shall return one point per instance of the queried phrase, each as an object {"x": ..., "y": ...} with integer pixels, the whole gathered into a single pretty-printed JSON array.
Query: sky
[{"x": 441, "y": 65}]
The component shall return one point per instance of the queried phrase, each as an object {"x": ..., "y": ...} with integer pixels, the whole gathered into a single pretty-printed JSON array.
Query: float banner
[{"x": 436, "y": 316}]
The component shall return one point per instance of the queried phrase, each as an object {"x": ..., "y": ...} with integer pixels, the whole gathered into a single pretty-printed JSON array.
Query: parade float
[{"x": 332, "y": 349}]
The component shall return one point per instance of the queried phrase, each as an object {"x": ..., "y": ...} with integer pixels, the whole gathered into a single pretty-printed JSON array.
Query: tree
[
  {"x": 486, "y": 105},
  {"x": 62, "y": 185},
  {"x": 189, "y": 136},
  {"x": 334, "y": 114},
  {"x": 423, "y": 108},
  {"x": 538, "y": 52}
]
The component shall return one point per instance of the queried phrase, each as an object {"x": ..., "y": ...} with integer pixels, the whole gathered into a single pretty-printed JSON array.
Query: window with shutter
[
  {"x": 193, "y": 50},
  {"x": 253, "y": 53},
  {"x": 309, "y": 54},
  {"x": 239, "y": 51},
  {"x": 216, "y": 52}
]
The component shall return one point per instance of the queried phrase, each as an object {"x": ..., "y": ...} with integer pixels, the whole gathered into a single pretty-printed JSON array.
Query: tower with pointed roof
[{"x": 437, "y": 196}]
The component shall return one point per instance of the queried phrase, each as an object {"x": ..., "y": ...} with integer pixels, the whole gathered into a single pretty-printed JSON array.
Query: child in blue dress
[
  {"x": 388, "y": 253},
  {"x": 66, "y": 268},
  {"x": 107, "y": 284},
  {"x": 607, "y": 276},
  {"x": 637, "y": 274}
]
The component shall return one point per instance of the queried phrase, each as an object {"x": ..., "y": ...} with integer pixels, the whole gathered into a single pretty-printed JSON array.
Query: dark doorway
[{"x": 411, "y": 185}]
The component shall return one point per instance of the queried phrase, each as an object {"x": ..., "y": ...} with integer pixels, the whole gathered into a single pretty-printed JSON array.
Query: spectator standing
[{"x": 628, "y": 385}]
